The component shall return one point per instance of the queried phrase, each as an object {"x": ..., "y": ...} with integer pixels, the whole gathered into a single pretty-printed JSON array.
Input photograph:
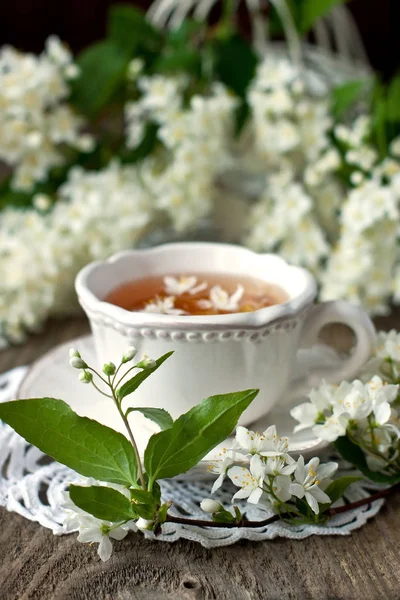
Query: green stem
[
  {"x": 131, "y": 437},
  {"x": 98, "y": 375},
  {"x": 123, "y": 376},
  {"x": 100, "y": 391}
]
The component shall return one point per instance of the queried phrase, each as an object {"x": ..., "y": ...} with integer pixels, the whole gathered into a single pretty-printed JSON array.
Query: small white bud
[
  {"x": 146, "y": 362},
  {"x": 41, "y": 202},
  {"x": 85, "y": 143},
  {"x": 135, "y": 67},
  {"x": 209, "y": 505},
  {"x": 109, "y": 368},
  {"x": 144, "y": 524},
  {"x": 74, "y": 352},
  {"x": 77, "y": 363},
  {"x": 129, "y": 354},
  {"x": 356, "y": 178},
  {"x": 71, "y": 71},
  {"x": 85, "y": 377}
]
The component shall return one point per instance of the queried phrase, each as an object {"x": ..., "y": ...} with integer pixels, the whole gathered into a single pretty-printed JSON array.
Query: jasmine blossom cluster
[
  {"x": 35, "y": 119},
  {"x": 273, "y": 478}
]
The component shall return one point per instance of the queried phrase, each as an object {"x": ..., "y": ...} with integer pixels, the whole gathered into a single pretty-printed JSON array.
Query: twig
[{"x": 331, "y": 512}]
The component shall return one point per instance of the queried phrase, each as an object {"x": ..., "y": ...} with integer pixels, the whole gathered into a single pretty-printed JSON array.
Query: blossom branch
[{"x": 331, "y": 512}]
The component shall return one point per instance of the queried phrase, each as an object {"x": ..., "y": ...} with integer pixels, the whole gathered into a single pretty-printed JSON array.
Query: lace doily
[{"x": 32, "y": 485}]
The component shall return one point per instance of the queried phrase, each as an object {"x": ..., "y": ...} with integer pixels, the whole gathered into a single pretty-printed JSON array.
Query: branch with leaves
[{"x": 121, "y": 490}]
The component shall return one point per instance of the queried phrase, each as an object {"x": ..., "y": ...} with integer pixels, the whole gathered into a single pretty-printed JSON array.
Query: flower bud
[
  {"x": 85, "y": 377},
  {"x": 77, "y": 362},
  {"x": 146, "y": 363},
  {"x": 129, "y": 354},
  {"x": 209, "y": 505},
  {"x": 74, "y": 352},
  {"x": 109, "y": 368},
  {"x": 144, "y": 524}
]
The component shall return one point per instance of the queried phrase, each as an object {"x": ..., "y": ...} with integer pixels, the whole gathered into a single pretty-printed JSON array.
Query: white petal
[
  {"x": 90, "y": 535},
  {"x": 119, "y": 533},
  {"x": 382, "y": 413},
  {"x": 318, "y": 494},
  {"x": 327, "y": 470},
  {"x": 313, "y": 504},
  {"x": 289, "y": 469},
  {"x": 255, "y": 496},
  {"x": 306, "y": 414},
  {"x": 105, "y": 548},
  {"x": 243, "y": 437},
  {"x": 300, "y": 472},
  {"x": 217, "y": 483},
  {"x": 257, "y": 467},
  {"x": 296, "y": 490},
  {"x": 241, "y": 494},
  {"x": 238, "y": 474}
]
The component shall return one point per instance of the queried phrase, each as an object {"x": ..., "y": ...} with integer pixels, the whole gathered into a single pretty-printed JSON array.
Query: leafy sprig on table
[{"x": 123, "y": 490}]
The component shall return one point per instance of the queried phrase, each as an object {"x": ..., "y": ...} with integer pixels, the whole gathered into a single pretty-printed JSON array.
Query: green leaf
[
  {"x": 103, "y": 502},
  {"x": 235, "y": 64},
  {"x": 128, "y": 28},
  {"x": 336, "y": 489},
  {"x": 344, "y": 96},
  {"x": 194, "y": 434},
  {"x": 132, "y": 384},
  {"x": 180, "y": 59},
  {"x": 82, "y": 444},
  {"x": 103, "y": 68},
  {"x": 223, "y": 516},
  {"x": 162, "y": 512},
  {"x": 312, "y": 10},
  {"x": 393, "y": 100},
  {"x": 161, "y": 417},
  {"x": 355, "y": 456},
  {"x": 143, "y": 496}
]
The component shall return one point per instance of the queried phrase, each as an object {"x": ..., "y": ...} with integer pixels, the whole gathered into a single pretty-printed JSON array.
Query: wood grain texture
[{"x": 34, "y": 564}]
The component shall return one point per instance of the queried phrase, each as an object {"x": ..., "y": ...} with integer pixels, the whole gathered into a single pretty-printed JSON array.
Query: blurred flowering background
[{"x": 270, "y": 123}]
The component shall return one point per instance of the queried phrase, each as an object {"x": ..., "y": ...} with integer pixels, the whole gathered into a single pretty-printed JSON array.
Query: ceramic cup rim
[{"x": 259, "y": 318}]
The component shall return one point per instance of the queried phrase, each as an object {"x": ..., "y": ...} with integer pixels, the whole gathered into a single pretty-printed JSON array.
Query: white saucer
[{"x": 52, "y": 376}]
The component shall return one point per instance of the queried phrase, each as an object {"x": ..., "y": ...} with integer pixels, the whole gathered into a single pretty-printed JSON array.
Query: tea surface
[{"x": 200, "y": 294}]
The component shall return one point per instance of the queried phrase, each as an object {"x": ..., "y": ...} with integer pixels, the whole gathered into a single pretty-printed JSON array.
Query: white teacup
[{"x": 218, "y": 353}]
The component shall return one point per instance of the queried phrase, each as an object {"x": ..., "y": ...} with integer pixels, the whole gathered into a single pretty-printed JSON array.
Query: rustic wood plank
[{"x": 34, "y": 564}]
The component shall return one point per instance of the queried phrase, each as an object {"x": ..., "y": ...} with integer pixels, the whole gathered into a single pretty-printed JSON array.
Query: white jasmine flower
[
  {"x": 266, "y": 444},
  {"x": 382, "y": 396},
  {"x": 176, "y": 286},
  {"x": 221, "y": 300},
  {"x": 163, "y": 306},
  {"x": 273, "y": 445},
  {"x": 277, "y": 465},
  {"x": 34, "y": 118},
  {"x": 388, "y": 345},
  {"x": 334, "y": 427},
  {"x": 92, "y": 530},
  {"x": 250, "y": 481},
  {"x": 321, "y": 399},
  {"x": 248, "y": 442},
  {"x": 220, "y": 468},
  {"x": 308, "y": 478}
]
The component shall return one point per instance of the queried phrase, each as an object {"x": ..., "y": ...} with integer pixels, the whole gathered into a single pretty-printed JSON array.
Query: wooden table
[{"x": 35, "y": 564}]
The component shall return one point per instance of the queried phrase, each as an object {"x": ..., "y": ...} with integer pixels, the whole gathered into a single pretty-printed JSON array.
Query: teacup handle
[{"x": 327, "y": 313}]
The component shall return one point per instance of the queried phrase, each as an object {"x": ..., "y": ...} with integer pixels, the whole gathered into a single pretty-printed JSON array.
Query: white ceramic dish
[
  {"x": 52, "y": 376},
  {"x": 214, "y": 354}
]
